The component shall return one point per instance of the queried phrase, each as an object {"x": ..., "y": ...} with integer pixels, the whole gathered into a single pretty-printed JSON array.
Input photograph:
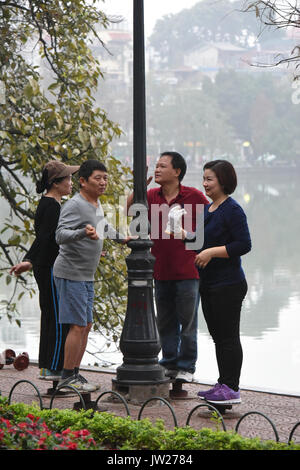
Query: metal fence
[{"x": 85, "y": 403}]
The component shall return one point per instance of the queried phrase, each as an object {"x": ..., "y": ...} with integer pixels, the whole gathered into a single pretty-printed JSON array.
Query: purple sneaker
[
  {"x": 223, "y": 395},
  {"x": 202, "y": 394}
]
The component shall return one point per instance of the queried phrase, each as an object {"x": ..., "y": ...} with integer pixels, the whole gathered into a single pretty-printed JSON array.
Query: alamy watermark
[{"x": 151, "y": 223}]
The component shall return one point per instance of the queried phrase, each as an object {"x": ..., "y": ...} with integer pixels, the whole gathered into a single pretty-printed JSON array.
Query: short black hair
[
  {"x": 89, "y": 166},
  {"x": 177, "y": 161},
  {"x": 225, "y": 173}
]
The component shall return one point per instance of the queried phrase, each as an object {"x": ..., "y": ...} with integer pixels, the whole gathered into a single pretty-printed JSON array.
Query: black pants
[
  {"x": 52, "y": 334},
  {"x": 222, "y": 310}
]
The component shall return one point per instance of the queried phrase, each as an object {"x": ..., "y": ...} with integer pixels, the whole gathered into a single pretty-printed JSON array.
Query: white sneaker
[
  {"x": 84, "y": 381},
  {"x": 172, "y": 373},
  {"x": 76, "y": 383},
  {"x": 184, "y": 376}
]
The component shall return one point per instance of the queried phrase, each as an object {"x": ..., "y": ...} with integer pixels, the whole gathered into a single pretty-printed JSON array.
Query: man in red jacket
[{"x": 175, "y": 274}]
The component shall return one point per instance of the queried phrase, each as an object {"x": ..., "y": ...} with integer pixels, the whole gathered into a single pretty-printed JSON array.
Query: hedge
[{"x": 95, "y": 431}]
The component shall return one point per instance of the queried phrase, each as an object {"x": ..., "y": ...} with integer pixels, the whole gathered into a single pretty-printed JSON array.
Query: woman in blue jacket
[{"x": 223, "y": 284}]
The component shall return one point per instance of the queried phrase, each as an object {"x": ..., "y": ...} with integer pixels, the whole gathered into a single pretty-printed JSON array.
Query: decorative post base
[
  {"x": 138, "y": 394},
  {"x": 139, "y": 342}
]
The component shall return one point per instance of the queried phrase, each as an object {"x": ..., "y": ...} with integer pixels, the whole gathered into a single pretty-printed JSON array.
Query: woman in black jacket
[{"x": 56, "y": 181}]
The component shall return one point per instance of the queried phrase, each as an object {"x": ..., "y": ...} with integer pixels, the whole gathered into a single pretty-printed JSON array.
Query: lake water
[{"x": 270, "y": 325}]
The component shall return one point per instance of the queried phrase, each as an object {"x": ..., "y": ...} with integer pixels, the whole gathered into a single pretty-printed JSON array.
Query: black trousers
[
  {"x": 52, "y": 334},
  {"x": 221, "y": 307}
]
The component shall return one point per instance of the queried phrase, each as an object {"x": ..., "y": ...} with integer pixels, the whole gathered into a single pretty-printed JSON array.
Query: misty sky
[{"x": 154, "y": 9}]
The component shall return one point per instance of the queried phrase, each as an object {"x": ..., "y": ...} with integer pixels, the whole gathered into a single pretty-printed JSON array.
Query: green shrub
[{"x": 113, "y": 432}]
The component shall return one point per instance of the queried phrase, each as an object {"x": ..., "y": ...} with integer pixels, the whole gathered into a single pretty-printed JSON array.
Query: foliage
[
  {"x": 277, "y": 15},
  {"x": 33, "y": 434},
  {"x": 50, "y": 112},
  {"x": 208, "y": 130},
  {"x": 110, "y": 431},
  {"x": 205, "y": 22},
  {"x": 259, "y": 107},
  {"x": 213, "y": 117},
  {"x": 216, "y": 120}
]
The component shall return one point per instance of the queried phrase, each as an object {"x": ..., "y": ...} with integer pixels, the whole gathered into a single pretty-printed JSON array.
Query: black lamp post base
[
  {"x": 139, "y": 382},
  {"x": 139, "y": 341},
  {"x": 141, "y": 374},
  {"x": 137, "y": 393}
]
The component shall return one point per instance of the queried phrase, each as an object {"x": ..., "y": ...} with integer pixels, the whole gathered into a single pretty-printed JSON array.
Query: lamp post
[{"x": 139, "y": 341}]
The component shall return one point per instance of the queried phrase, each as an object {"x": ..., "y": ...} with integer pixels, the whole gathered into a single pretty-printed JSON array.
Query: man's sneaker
[
  {"x": 76, "y": 383},
  {"x": 46, "y": 374},
  {"x": 84, "y": 381},
  {"x": 223, "y": 395},
  {"x": 172, "y": 373},
  {"x": 202, "y": 393},
  {"x": 184, "y": 376}
]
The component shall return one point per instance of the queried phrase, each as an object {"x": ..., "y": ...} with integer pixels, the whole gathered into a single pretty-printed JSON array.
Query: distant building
[
  {"x": 116, "y": 58},
  {"x": 271, "y": 53},
  {"x": 180, "y": 76},
  {"x": 213, "y": 57}
]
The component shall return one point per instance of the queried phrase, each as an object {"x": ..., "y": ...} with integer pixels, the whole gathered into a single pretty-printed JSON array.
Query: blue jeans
[{"x": 177, "y": 308}]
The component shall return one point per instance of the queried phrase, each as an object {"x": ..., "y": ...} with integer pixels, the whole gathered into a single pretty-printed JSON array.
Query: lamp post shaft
[
  {"x": 139, "y": 341},
  {"x": 139, "y": 104}
]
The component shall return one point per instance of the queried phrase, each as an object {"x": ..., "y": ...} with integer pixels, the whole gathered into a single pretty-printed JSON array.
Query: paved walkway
[{"x": 283, "y": 411}]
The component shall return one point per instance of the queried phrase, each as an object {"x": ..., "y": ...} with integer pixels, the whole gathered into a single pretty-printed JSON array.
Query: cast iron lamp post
[{"x": 139, "y": 341}]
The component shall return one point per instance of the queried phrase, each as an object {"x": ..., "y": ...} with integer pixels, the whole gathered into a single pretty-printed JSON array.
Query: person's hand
[
  {"x": 130, "y": 197},
  {"x": 174, "y": 224},
  {"x": 91, "y": 233},
  {"x": 129, "y": 238},
  {"x": 203, "y": 258},
  {"x": 149, "y": 178},
  {"x": 20, "y": 268}
]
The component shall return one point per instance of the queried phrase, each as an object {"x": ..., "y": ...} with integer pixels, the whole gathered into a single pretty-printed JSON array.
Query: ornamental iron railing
[{"x": 86, "y": 403}]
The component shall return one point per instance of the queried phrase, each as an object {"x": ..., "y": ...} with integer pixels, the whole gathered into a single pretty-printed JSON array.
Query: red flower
[
  {"x": 6, "y": 421},
  {"x": 72, "y": 446},
  {"x": 22, "y": 425},
  {"x": 81, "y": 433},
  {"x": 66, "y": 431}
]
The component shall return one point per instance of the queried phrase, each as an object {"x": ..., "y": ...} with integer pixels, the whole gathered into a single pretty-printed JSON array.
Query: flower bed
[
  {"x": 28, "y": 427},
  {"x": 33, "y": 434}
]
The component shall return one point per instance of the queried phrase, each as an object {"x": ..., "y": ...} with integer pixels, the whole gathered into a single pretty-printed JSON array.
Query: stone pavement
[{"x": 283, "y": 411}]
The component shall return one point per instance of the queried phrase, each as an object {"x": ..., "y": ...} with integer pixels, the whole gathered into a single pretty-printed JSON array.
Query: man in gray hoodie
[{"x": 80, "y": 233}]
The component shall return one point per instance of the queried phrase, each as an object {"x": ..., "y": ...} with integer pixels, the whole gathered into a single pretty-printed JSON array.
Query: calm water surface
[{"x": 270, "y": 325}]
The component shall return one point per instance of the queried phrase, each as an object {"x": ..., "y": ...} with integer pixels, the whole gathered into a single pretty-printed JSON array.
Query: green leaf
[
  {"x": 53, "y": 115},
  {"x": 28, "y": 91}
]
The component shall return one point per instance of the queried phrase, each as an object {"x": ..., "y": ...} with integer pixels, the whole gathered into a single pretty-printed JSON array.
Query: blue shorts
[{"x": 75, "y": 301}]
